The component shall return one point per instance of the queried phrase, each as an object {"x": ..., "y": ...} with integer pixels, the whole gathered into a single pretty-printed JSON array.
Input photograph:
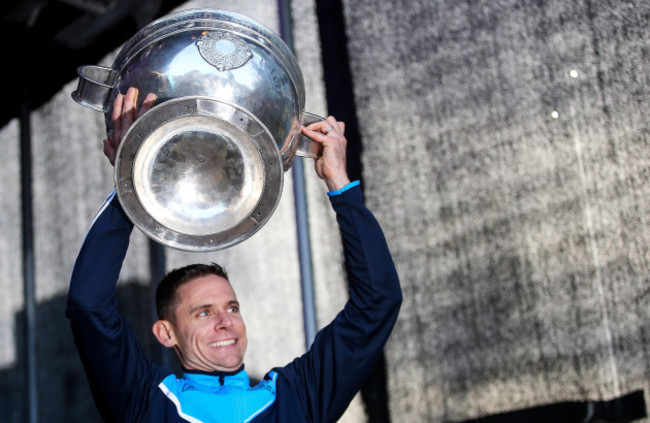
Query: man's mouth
[{"x": 224, "y": 343}]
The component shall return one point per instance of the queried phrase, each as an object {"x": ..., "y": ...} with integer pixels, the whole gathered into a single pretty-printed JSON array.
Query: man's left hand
[{"x": 331, "y": 165}]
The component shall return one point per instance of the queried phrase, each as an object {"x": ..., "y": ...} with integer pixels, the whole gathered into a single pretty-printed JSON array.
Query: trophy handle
[
  {"x": 307, "y": 147},
  {"x": 95, "y": 86}
]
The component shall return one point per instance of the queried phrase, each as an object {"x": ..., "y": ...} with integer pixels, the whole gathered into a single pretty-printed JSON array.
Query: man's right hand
[{"x": 124, "y": 114}]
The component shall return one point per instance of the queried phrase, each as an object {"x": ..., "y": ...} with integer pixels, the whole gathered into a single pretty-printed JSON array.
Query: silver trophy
[{"x": 203, "y": 169}]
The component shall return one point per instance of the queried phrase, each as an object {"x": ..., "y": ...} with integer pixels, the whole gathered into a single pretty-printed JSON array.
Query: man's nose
[{"x": 223, "y": 321}]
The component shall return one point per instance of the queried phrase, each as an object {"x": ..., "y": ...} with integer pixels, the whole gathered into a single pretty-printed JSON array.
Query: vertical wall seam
[
  {"x": 300, "y": 205},
  {"x": 25, "y": 140}
]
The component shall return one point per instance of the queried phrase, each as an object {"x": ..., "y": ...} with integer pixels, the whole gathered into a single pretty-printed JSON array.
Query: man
[{"x": 199, "y": 317}]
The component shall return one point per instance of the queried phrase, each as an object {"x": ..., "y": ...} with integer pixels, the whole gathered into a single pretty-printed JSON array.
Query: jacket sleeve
[
  {"x": 118, "y": 372},
  {"x": 344, "y": 352}
]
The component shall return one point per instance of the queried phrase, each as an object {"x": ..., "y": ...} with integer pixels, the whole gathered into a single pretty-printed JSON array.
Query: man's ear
[{"x": 164, "y": 333}]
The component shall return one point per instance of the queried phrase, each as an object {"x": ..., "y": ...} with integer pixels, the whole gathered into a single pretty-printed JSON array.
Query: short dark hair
[{"x": 166, "y": 292}]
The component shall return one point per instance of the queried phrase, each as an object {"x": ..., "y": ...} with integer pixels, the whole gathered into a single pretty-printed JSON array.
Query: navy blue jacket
[{"x": 316, "y": 387}]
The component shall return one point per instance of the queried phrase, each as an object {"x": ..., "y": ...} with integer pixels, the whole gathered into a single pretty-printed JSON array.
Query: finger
[
  {"x": 127, "y": 113},
  {"x": 129, "y": 109},
  {"x": 110, "y": 142},
  {"x": 118, "y": 103},
  {"x": 334, "y": 125},
  {"x": 325, "y": 127},
  {"x": 109, "y": 151},
  {"x": 321, "y": 125},
  {"x": 147, "y": 103},
  {"x": 315, "y": 132},
  {"x": 117, "y": 115},
  {"x": 314, "y": 126}
]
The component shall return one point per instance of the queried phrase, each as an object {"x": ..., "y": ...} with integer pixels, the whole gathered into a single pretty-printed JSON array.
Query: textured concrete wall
[
  {"x": 505, "y": 153},
  {"x": 72, "y": 178},
  {"x": 11, "y": 299}
]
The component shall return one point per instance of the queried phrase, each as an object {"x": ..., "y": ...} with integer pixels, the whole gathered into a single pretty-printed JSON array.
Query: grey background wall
[{"x": 504, "y": 153}]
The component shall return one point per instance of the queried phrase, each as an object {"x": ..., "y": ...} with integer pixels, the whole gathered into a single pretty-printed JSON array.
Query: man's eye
[
  {"x": 233, "y": 309},
  {"x": 203, "y": 314}
]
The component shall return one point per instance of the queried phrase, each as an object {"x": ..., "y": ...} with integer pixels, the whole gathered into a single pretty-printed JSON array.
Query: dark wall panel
[{"x": 504, "y": 148}]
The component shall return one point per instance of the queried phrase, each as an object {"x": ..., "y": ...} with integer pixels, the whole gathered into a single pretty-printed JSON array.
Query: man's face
[{"x": 209, "y": 330}]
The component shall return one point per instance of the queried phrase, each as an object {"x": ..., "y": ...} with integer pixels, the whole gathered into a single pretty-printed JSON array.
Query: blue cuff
[{"x": 345, "y": 188}]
